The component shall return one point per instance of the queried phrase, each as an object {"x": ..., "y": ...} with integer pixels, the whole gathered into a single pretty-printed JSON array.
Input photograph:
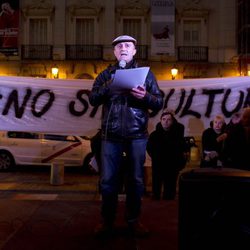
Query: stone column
[
  {"x": 109, "y": 32},
  {"x": 59, "y": 30}
]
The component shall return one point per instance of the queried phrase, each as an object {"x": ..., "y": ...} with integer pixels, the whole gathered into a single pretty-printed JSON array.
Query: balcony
[
  {"x": 95, "y": 52},
  {"x": 84, "y": 52},
  {"x": 193, "y": 54},
  {"x": 34, "y": 52},
  {"x": 74, "y": 52}
]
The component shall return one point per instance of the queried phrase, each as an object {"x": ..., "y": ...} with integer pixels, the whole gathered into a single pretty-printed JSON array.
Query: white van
[{"x": 25, "y": 148}]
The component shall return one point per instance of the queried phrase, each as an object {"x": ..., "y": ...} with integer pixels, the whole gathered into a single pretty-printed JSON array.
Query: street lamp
[
  {"x": 174, "y": 72},
  {"x": 55, "y": 72}
]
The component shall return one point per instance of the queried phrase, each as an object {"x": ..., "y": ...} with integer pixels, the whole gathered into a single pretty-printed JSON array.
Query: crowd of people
[
  {"x": 227, "y": 145},
  {"x": 222, "y": 145}
]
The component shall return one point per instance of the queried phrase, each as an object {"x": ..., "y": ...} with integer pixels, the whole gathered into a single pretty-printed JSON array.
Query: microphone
[{"x": 122, "y": 64}]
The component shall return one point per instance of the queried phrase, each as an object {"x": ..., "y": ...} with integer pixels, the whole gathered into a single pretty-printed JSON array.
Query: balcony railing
[
  {"x": 79, "y": 52},
  {"x": 193, "y": 53},
  {"x": 37, "y": 52},
  {"x": 75, "y": 52}
]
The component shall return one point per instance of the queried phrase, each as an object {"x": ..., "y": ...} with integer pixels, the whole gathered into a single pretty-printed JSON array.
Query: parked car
[{"x": 25, "y": 148}]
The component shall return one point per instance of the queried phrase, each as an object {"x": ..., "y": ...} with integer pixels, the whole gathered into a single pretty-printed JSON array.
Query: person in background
[
  {"x": 237, "y": 143},
  {"x": 235, "y": 119},
  {"x": 231, "y": 127},
  {"x": 212, "y": 143},
  {"x": 167, "y": 149},
  {"x": 124, "y": 127}
]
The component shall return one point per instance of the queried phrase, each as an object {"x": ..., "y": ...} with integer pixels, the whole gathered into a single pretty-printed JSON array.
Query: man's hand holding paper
[{"x": 138, "y": 92}]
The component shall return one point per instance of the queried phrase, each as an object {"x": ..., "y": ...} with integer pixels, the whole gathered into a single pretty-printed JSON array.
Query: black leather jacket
[{"x": 123, "y": 115}]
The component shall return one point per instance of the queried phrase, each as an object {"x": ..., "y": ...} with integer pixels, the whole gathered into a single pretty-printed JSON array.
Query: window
[
  {"x": 192, "y": 32},
  {"x": 22, "y": 135},
  {"x": 59, "y": 137},
  {"x": 133, "y": 27},
  {"x": 38, "y": 31},
  {"x": 55, "y": 137},
  {"x": 85, "y": 31}
]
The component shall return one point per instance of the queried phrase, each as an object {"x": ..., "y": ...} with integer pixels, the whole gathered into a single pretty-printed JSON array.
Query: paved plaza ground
[{"x": 37, "y": 215}]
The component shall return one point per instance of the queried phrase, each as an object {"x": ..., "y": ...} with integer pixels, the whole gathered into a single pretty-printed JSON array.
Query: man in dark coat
[
  {"x": 124, "y": 130},
  {"x": 166, "y": 147}
]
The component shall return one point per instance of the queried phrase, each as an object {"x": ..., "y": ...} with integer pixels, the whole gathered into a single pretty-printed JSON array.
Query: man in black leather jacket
[{"x": 124, "y": 126}]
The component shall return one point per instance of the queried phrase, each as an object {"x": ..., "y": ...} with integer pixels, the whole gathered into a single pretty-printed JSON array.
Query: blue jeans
[{"x": 112, "y": 158}]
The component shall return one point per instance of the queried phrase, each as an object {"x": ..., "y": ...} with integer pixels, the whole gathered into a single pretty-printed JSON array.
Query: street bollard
[{"x": 57, "y": 173}]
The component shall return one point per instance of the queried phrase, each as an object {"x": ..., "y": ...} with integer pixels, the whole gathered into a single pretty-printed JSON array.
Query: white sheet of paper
[{"x": 125, "y": 79}]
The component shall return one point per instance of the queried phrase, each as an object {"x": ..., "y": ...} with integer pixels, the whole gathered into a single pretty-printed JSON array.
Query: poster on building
[
  {"x": 9, "y": 27},
  {"x": 163, "y": 27}
]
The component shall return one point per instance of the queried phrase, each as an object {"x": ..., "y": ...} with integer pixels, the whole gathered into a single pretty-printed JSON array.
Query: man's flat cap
[{"x": 124, "y": 38}]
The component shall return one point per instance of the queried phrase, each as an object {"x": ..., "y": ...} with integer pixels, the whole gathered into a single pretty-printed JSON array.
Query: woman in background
[{"x": 212, "y": 143}]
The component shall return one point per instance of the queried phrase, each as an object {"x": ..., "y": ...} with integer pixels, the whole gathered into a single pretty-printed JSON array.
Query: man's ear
[{"x": 134, "y": 52}]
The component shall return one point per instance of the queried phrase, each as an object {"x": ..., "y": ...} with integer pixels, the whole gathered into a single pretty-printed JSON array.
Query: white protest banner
[
  {"x": 46, "y": 105},
  {"x": 62, "y": 106}
]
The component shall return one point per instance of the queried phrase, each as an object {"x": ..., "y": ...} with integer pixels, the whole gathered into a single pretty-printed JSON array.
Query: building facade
[
  {"x": 198, "y": 37},
  {"x": 243, "y": 7}
]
